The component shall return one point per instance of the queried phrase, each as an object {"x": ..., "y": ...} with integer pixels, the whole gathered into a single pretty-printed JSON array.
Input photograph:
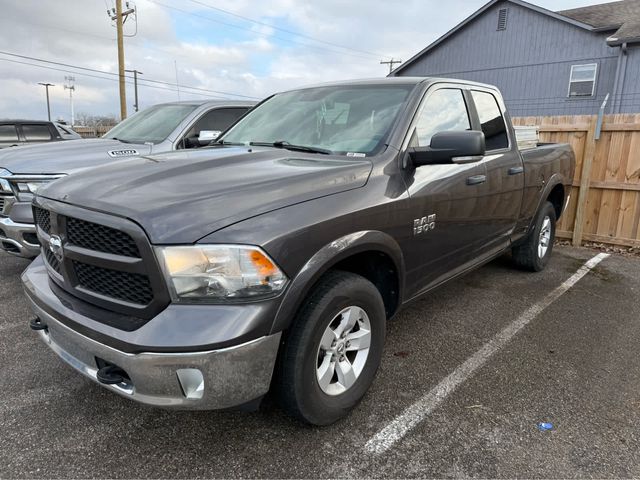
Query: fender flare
[
  {"x": 555, "y": 180},
  {"x": 328, "y": 256}
]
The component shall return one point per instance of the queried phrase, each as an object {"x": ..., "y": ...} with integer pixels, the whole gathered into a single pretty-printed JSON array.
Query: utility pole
[
  {"x": 135, "y": 86},
  {"x": 71, "y": 89},
  {"x": 46, "y": 86},
  {"x": 391, "y": 63},
  {"x": 120, "y": 18}
]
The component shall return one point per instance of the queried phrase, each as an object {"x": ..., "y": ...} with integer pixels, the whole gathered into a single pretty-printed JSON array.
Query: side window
[
  {"x": 491, "y": 120},
  {"x": 445, "y": 110},
  {"x": 8, "y": 133},
  {"x": 63, "y": 130},
  {"x": 219, "y": 119},
  {"x": 36, "y": 133}
]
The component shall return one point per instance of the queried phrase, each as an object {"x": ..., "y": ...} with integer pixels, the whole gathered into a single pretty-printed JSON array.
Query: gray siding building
[{"x": 545, "y": 63}]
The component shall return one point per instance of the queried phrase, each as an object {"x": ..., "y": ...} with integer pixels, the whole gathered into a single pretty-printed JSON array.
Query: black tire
[
  {"x": 298, "y": 390},
  {"x": 526, "y": 255}
]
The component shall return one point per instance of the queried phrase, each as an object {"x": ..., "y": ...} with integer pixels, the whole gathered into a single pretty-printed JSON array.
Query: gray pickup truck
[
  {"x": 161, "y": 128},
  {"x": 273, "y": 260}
]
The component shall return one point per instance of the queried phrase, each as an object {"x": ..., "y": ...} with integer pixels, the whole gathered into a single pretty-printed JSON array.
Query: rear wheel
[
  {"x": 333, "y": 350},
  {"x": 534, "y": 253}
]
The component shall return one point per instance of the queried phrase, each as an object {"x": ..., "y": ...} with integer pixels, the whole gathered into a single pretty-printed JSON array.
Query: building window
[
  {"x": 502, "y": 18},
  {"x": 582, "y": 82}
]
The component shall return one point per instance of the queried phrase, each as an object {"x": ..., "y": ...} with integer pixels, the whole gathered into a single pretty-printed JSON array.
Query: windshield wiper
[
  {"x": 224, "y": 142},
  {"x": 120, "y": 140},
  {"x": 289, "y": 146}
]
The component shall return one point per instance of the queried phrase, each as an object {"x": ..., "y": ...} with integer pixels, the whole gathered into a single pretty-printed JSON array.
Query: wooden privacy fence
[
  {"x": 93, "y": 132},
  {"x": 605, "y": 197}
]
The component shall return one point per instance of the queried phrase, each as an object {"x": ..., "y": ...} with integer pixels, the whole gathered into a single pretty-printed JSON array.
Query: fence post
[{"x": 585, "y": 180}]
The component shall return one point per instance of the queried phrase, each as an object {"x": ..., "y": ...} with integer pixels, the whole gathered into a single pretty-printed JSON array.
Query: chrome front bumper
[
  {"x": 12, "y": 238},
  {"x": 208, "y": 380}
]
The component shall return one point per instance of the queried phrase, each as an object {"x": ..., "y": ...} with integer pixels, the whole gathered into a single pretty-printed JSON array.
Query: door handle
[
  {"x": 476, "y": 179},
  {"x": 516, "y": 170}
]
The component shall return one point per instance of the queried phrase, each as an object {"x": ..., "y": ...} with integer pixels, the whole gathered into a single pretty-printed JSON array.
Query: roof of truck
[
  {"x": 394, "y": 81},
  {"x": 23, "y": 120},
  {"x": 211, "y": 103}
]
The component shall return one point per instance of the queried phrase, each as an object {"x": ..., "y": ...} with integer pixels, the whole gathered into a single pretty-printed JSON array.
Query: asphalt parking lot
[{"x": 575, "y": 365}]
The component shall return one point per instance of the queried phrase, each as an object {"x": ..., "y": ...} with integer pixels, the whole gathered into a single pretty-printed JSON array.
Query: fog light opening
[{"x": 192, "y": 383}]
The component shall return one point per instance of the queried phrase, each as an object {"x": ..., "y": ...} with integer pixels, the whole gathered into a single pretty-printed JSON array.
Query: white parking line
[{"x": 413, "y": 415}]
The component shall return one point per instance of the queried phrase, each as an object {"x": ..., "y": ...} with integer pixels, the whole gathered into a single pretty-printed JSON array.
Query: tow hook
[
  {"x": 111, "y": 375},
  {"x": 37, "y": 324}
]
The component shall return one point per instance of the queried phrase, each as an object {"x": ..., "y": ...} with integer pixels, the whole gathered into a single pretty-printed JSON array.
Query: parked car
[
  {"x": 201, "y": 280},
  {"x": 15, "y": 133},
  {"x": 170, "y": 126}
]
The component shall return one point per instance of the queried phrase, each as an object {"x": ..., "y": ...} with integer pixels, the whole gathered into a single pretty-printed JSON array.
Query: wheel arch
[
  {"x": 557, "y": 198},
  {"x": 554, "y": 184},
  {"x": 347, "y": 253}
]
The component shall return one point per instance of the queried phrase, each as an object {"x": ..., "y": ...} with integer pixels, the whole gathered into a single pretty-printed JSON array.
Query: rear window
[
  {"x": 8, "y": 133},
  {"x": 36, "y": 133}
]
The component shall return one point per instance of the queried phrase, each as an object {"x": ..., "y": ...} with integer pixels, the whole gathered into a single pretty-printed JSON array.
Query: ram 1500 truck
[
  {"x": 273, "y": 260},
  {"x": 160, "y": 128}
]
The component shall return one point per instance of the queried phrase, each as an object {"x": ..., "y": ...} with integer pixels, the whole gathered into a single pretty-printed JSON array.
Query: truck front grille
[
  {"x": 43, "y": 218},
  {"x": 101, "y": 238},
  {"x": 106, "y": 261},
  {"x": 131, "y": 287},
  {"x": 1, "y": 205},
  {"x": 52, "y": 260}
]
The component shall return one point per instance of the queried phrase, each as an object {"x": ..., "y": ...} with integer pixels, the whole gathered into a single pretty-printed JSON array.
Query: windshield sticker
[
  {"x": 122, "y": 153},
  {"x": 356, "y": 154}
]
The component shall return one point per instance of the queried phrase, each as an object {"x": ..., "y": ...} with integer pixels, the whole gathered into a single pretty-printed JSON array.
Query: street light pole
[{"x": 46, "y": 86}]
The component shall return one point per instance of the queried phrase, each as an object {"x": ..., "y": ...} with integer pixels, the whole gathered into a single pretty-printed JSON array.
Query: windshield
[
  {"x": 152, "y": 125},
  {"x": 345, "y": 119}
]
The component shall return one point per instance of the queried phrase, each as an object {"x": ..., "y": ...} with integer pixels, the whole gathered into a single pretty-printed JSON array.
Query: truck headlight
[
  {"x": 214, "y": 273},
  {"x": 28, "y": 185}
]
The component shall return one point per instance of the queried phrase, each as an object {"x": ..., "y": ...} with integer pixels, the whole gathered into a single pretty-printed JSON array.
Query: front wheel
[
  {"x": 534, "y": 253},
  {"x": 333, "y": 350}
]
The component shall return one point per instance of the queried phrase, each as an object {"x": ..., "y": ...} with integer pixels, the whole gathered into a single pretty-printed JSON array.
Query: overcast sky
[{"x": 289, "y": 43}]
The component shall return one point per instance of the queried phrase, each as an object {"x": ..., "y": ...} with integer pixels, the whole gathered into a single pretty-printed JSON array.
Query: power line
[
  {"x": 111, "y": 79},
  {"x": 240, "y": 27},
  {"x": 78, "y": 67},
  {"x": 373, "y": 54}
]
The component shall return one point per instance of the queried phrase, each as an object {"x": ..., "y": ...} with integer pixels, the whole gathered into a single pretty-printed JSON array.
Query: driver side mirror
[
  {"x": 450, "y": 147},
  {"x": 207, "y": 136}
]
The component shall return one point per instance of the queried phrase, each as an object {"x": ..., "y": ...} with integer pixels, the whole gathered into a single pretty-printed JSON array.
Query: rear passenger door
[
  {"x": 444, "y": 199},
  {"x": 9, "y": 135},
  {"x": 504, "y": 169}
]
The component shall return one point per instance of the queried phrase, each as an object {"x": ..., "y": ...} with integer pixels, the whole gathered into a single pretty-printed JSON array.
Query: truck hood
[
  {"x": 66, "y": 156},
  {"x": 180, "y": 197}
]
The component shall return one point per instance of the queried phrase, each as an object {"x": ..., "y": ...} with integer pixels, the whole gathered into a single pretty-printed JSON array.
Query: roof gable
[
  {"x": 623, "y": 16},
  {"x": 576, "y": 19}
]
